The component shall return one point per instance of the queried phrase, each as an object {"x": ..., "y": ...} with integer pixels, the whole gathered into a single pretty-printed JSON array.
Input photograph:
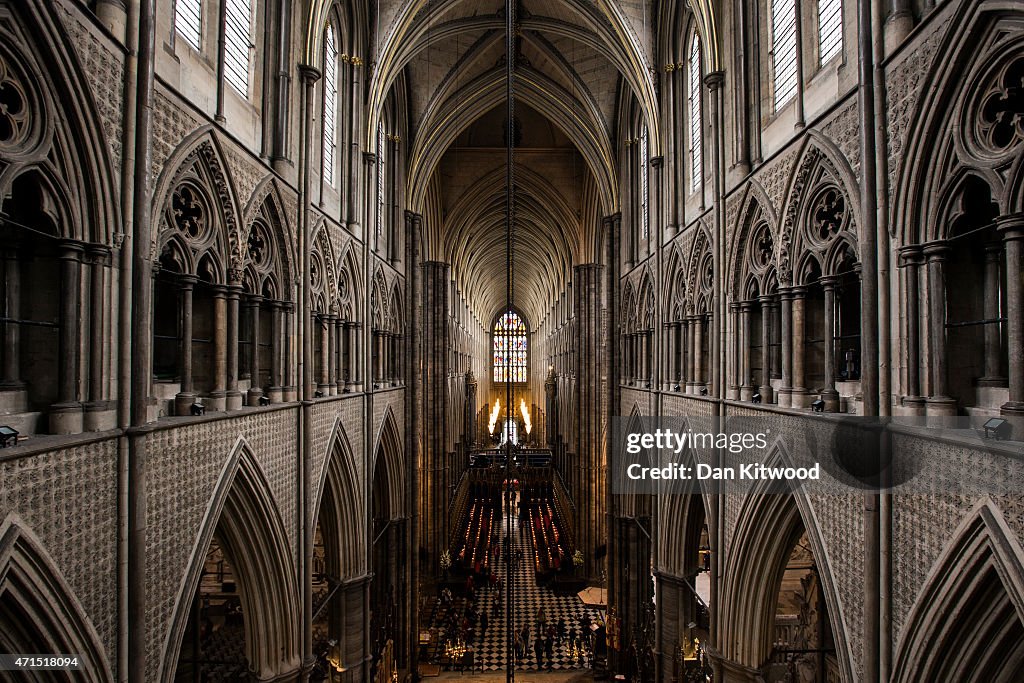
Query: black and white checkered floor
[{"x": 489, "y": 646}]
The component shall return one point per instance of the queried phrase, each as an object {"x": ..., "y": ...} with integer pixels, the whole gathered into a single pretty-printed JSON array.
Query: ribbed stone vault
[{"x": 579, "y": 62}]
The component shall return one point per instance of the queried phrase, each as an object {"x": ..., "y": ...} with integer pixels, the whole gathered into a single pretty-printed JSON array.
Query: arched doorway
[
  {"x": 803, "y": 648},
  {"x": 777, "y": 611},
  {"x": 214, "y": 643},
  {"x": 967, "y": 623},
  {"x": 683, "y": 585},
  {"x": 339, "y": 567},
  {"x": 245, "y": 578},
  {"x": 39, "y": 614},
  {"x": 390, "y": 599}
]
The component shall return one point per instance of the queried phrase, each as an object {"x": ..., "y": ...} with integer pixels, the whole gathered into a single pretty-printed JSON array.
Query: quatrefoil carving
[
  {"x": 1001, "y": 113},
  {"x": 189, "y": 212},
  {"x": 762, "y": 248},
  {"x": 14, "y": 110},
  {"x": 257, "y": 245},
  {"x": 828, "y": 216}
]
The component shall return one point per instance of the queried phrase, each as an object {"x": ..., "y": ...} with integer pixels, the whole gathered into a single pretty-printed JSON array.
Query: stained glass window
[{"x": 509, "y": 348}]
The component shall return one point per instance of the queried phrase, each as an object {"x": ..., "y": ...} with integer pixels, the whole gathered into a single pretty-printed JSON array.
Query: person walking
[
  {"x": 538, "y": 649},
  {"x": 549, "y": 649}
]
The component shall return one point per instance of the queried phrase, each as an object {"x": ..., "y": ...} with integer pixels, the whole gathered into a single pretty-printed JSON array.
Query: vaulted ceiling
[{"x": 578, "y": 60}]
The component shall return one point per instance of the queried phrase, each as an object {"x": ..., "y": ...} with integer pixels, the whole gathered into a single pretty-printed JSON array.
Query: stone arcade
[{"x": 253, "y": 298}]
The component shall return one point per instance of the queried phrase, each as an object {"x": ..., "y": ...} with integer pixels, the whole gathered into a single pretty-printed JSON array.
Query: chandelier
[{"x": 455, "y": 651}]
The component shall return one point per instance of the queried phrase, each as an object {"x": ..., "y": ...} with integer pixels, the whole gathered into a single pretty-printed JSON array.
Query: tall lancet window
[
  {"x": 381, "y": 157},
  {"x": 330, "y": 141},
  {"x": 238, "y": 43},
  {"x": 784, "y": 47},
  {"x": 696, "y": 117},
  {"x": 830, "y": 29},
  {"x": 510, "y": 348},
  {"x": 188, "y": 21},
  {"x": 645, "y": 187}
]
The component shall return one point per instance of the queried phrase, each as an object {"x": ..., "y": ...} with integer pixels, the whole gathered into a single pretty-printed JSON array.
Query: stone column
[
  {"x": 1012, "y": 229},
  {"x": 66, "y": 414},
  {"x": 356, "y": 373},
  {"x": 776, "y": 337},
  {"x": 436, "y": 359},
  {"x": 767, "y": 354},
  {"x": 290, "y": 392},
  {"x": 747, "y": 384},
  {"x": 734, "y": 350},
  {"x": 252, "y": 303},
  {"x": 350, "y": 359},
  {"x": 829, "y": 394},
  {"x": 645, "y": 358},
  {"x": 700, "y": 380},
  {"x": 911, "y": 258},
  {"x": 234, "y": 397},
  {"x": 98, "y": 260},
  {"x": 682, "y": 355},
  {"x": 97, "y": 257},
  {"x": 11, "y": 378},
  {"x": 675, "y": 346},
  {"x": 323, "y": 383},
  {"x": 186, "y": 395},
  {"x": 396, "y": 374},
  {"x": 218, "y": 397},
  {"x": 332, "y": 355},
  {"x": 786, "y": 342},
  {"x": 691, "y": 355},
  {"x": 339, "y": 355},
  {"x": 993, "y": 331},
  {"x": 276, "y": 391},
  {"x": 939, "y": 403},
  {"x": 799, "y": 393},
  {"x": 378, "y": 365}
]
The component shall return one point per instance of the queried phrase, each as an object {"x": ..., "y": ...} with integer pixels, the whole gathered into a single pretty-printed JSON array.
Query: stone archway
[
  {"x": 244, "y": 525},
  {"x": 39, "y": 613}
]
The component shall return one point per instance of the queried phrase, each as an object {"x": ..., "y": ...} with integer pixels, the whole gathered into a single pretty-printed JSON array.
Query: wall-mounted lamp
[{"x": 8, "y": 436}]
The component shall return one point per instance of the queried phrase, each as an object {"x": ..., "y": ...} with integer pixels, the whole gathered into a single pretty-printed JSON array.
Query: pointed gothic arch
[
  {"x": 823, "y": 189},
  {"x": 755, "y": 562},
  {"x": 339, "y": 507},
  {"x": 350, "y": 294},
  {"x": 38, "y": 610},
  {"x": 968, "y": 619},
  {"x": 268, "y": 202},
  {"x": 388, "y": 462},
  {"x": 244, "y": 518},
  {"x": 756, "y": 215},
  {"x": 980, "y": 41},
  {"x": 200, "y": 159},
  {"x": 68, "y": 133}
]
